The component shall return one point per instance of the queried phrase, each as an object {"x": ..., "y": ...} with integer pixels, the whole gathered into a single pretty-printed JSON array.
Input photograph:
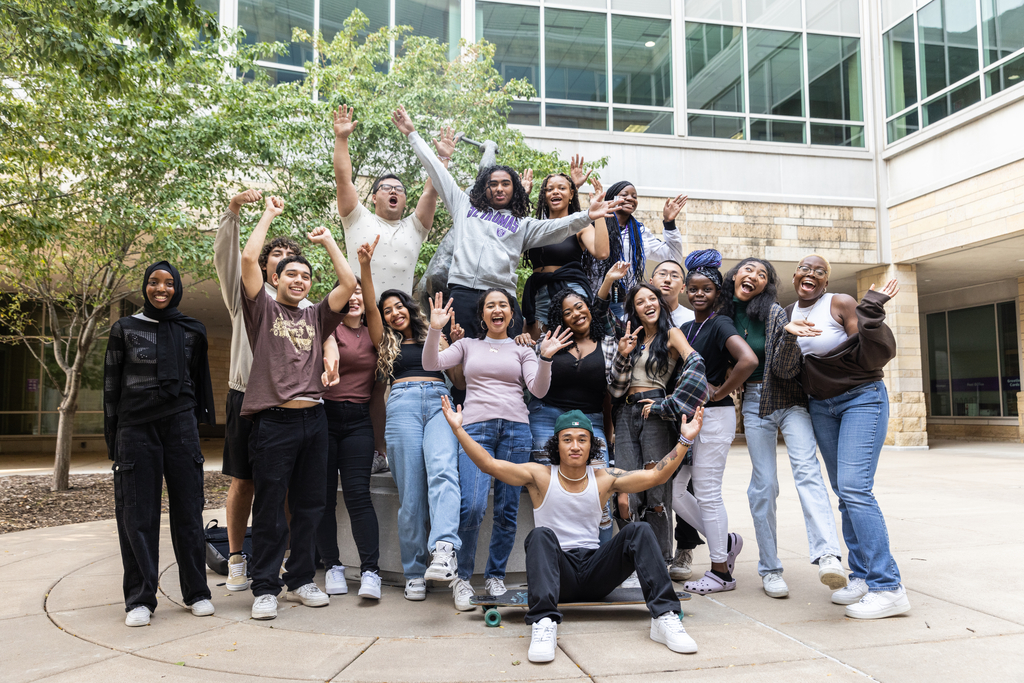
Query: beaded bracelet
[{"x": 686, "y": 442}]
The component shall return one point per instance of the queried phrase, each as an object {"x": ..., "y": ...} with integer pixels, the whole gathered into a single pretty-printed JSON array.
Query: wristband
[
  {"x": 683, "y": 440},
  {"x": 546, "y": 360},
  {"x": 444, "y": 158},
  {"x": 669, "y": 225}
]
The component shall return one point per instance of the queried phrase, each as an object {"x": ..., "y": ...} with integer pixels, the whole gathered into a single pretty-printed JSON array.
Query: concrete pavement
[{"x": 954, "y": 515}]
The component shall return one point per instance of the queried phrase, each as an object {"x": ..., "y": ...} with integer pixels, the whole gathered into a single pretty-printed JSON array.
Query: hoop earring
[{"x": 483, "y": 325}]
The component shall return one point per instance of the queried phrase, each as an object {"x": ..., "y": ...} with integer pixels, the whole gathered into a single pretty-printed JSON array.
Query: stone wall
[{"x": 978, "y": 430}]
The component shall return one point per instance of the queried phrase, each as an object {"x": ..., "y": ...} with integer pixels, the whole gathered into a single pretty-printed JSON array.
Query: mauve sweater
[{"x": 495, "y": 375}]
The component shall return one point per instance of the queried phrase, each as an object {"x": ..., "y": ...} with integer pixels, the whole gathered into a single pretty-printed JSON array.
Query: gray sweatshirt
[{"x": 488, "y": 244}]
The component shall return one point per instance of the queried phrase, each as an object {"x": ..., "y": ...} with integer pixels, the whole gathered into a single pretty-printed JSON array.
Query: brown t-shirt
[
  {"x": 356, "y": 366},
  {"x": 287, "y": 350}
]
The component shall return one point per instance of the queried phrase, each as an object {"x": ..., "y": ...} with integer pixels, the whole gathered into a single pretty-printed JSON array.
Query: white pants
[{"x": 704, "y": 509}]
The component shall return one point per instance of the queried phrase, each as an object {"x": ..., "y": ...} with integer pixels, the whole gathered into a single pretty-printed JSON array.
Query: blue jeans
[
  {"x": 762, "y": 438},
  {"x": 542, "y": 426},
  {"x": 851, "y": 430},
  {"x": 504, "y": 440},
  {"x": 423, "y": 454}
]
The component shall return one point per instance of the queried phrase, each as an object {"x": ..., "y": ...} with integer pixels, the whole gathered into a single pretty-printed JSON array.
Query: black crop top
[
  {"x": 566, "y": 251},
  {"x": 409, "y": 363},
  {"x": 577, "y": 385}
]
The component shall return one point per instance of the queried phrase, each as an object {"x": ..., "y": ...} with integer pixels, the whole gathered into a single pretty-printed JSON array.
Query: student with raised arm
[
  {"x": 283, "y": 399},
  {"x": 492, "y": 227},
  {"x": 563, "y": 560}
]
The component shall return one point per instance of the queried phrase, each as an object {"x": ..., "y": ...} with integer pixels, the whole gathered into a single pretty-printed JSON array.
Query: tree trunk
[{"x": 65, "y": 427}]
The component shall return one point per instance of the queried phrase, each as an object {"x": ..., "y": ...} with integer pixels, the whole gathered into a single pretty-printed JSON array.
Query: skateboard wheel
[{"x": 492, "y": 617}]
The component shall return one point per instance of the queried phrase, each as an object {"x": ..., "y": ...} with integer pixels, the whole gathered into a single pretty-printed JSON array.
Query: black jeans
[
  {"x": 289, "y": 456},
  {"x": 687, "y": 537},
  {"x": 554, "y": 575},
  {"x": 146, "y": 454},
  {"x": 350, "y": 451},
  {"x": 464, "y": 303}
]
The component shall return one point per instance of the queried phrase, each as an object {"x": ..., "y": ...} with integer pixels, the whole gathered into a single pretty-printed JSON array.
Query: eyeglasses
[
  {"x": 670, "y": 274},
  {"x": 818, "y": 272},
  {"x": 388, "y": 188}
]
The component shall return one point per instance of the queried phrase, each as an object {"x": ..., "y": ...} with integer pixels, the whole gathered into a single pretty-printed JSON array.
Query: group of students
[{"x": 508, "y": 400}]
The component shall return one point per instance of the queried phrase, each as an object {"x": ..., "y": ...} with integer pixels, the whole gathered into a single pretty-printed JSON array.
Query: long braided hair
[
  {"x": 519, "y": 206},
  {"x": 705, "y": 262},
  {"x": 636, "y": 256}
]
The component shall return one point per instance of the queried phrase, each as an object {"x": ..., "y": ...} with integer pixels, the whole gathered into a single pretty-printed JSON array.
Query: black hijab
[
  {"x": 636, "y": 256},
  {"x": 170, "y": 347}
]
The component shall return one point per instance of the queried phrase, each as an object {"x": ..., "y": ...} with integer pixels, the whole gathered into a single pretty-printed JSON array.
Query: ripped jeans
[{"x": 638, "y": 442}]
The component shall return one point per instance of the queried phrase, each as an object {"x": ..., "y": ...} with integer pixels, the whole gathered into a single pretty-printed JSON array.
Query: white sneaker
[
  {"x": 679, "y": 569},
  {"x": 668, "y": 630},
  {"x": 238, "y": 576},
  {"x": 415, "y": 589},
  {"x": 774, "y": 585},
  {"x": 542, "y": 644},
  {"x": 632, "y": 582},
  {"x": 830, "y": 572},
  {"x": 309, "y": 595},
  {"x": 494, "y": 586},
  {"x": 202, "y": 608},
  {"x": 444, "y": 565},
  {"x": 138, "y": 616},
  {"x": 369, "y": 585},
  {"x": 462, "y": 592},
  {"x": 880, "y": 604},
  {"x": 334, "y": 580},
  {"x": 265, "y": 607},
  {"x": 856, "y": 590}
]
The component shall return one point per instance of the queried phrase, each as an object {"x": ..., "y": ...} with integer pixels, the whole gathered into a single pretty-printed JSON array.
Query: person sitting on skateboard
[{"x": 564, "y": 562}]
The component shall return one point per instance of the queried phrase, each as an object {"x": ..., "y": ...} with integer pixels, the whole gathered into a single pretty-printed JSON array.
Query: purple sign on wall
[{"x": 32, "y": 385}]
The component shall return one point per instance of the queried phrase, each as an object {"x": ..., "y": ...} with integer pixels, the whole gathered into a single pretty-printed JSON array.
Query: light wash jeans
[
  {"x": 423, "y": 454},
  {"x": 542, "y": 426},
  {"x": 704, "y": 509},
  {"x": 504, "y": 440},
  {"x": 851, "y": 430},
  {"x": 762, "y": 439}
]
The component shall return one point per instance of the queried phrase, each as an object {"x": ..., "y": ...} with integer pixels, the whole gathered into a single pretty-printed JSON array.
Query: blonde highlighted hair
[
  {"x": 391, "y": 343},
  {"x": 828, "y": 266}
]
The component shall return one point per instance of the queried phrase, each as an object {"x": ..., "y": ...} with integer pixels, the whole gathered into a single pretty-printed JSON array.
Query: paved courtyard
[{"x": 956, "y": 520}]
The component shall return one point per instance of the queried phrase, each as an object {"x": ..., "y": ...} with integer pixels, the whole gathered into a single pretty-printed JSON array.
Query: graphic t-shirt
[{"x": 287, "y": 350}]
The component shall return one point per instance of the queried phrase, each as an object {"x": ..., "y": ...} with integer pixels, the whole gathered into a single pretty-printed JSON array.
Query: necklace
[
  {"x": 809, "y": 309},
  {"x": 494, "y": 349},
  {"x": 701, "y": 327},
  {"x": 568, "y": 479}
]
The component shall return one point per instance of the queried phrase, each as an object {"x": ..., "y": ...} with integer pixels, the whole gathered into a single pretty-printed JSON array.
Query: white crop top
[
  {"x": 832, "y": 333},
  {"x": 574, "y": 517}
]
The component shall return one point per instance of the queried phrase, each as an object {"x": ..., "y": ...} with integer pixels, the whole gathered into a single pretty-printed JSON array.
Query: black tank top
[
  {"x": 409, "y": 363},
  {"x": 566, "y": 251}
]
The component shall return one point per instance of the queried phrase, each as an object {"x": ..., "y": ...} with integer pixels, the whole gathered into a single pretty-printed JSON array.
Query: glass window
[
  {"x": 895, "y": 9},
  {"x": 900, "y": 67},
  {"x": 840, "y": 136},
  {"x": 574, "y": 53},
  {"x": 974, "y": 362},
  {"x": 1009, "y": 360},
  {"x": 938, "y": 365},
  {"x": 525, "y": 113},
  {"x": 333, "y": 14},
  {"x": 833, "y": 66},
  {"x": 515, "y": 32},
  {"x": 776, "y": 131},
  {"x": 777, "y": 13},
  {"x": 641, "y": 61},
  {"x": 276, "y": 76},
  {"x": 841, "y": 16},
  {"x": 437, "y": 19},
  {"x": 568, "y": 116},
  {"x": 1002, "y": 28},
  {"x": 775, "y": 61},
  {"x": 649, "y": 6},
  {"x": 716, "y": 127},
  {"x": 19, "y": 425},
  {"x": 715, "y": 10},
  {"x": 19, "y": 386},
  {"x": 588, "y": 4},
  {"x": 948, "y": 31},
  {"x": 268, "y": 22},
  {"x": 902, "y": 126},
  {"x": 643, "y": 121},
  {"x": 952, "y": 102},
  {"x": 714, "y": 67},
  {"x": 1009, "y": 74}
]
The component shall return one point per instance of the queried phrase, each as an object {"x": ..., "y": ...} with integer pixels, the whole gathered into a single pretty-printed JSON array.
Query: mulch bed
[{"x": 26, "y": 502}]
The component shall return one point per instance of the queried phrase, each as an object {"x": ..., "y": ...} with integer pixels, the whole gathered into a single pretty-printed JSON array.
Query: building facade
[{"x": 883, "y": 134}]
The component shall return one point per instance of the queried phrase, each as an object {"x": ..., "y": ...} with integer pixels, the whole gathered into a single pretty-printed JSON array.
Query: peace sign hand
[
  {"x": 628, "y": 342},
  {"x": 330, "y": 376},
  {"x": 439, "y": 311},
  {"x": 554, "y": 342}
]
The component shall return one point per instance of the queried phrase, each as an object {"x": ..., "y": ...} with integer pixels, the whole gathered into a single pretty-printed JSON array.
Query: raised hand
[
  {"x": 690, "y": 429},
  {"x": 365, "y": 252},
  {"x": 330, "y": 375},
  {"x": 673, "y": 207},
  {"x": 275, "y": 206},
  {"x": 247, "y": 197},
  {"x": 439, "y": 311},
  {"x": 628, "y": 342},
  {"x": 454, "y": 417},
  {"x": 617, "y": 271},
  {"x": 802, "y": 328},
  {"x": 444, "y": 143},
  {"x": 402, "y": 120},
  {"x": 602, "y": 208},
  {"x": 320, "y": 235},
  {"x": 891, "y": 289},
  {"x": 526, "y": 178},
  {"x": 525, "y": 339},
  {"x": 576, "y": 173},
  {"x": 343, "y": 123},
  {"x": 553, "y": 342},
  {"x": 598, "y": 189}
]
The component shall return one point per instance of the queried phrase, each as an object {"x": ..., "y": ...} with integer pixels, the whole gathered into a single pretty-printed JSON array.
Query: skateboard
[{"x": 518, "y": 598}]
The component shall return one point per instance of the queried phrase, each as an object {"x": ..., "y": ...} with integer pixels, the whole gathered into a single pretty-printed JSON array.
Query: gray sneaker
[
  {"x": 679, "y": 569},
  {"x": 380, "y": 463}
]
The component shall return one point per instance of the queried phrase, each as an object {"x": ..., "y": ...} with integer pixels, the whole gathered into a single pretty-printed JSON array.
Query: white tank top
[
  {"x": 832, "y": 333},
  {"x": 574, "y": 517}
]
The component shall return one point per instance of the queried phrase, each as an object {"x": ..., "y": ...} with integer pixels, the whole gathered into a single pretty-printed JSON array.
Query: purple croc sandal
[
  {"x": 735, "y": 545},
  {"x": 709, "y": 583}
]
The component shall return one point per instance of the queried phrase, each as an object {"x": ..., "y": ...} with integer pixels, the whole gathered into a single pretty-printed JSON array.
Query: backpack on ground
[{"x": 217, "y": 549}]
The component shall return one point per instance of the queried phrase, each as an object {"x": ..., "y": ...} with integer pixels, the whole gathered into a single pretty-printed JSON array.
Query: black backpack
[{"x": 217, "y": 549}]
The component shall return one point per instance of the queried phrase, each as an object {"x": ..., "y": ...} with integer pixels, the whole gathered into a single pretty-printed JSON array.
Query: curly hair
[
  {"x": 519, "y": 206},
  {"x": 542, "y": 199},
  {"x": 391, "y": 343},
  {"x": 481, "y": 330},
  {"x": 658, "y": 353},
  {"x": 555, "y": 314},
  {"x": 760, "y": 306},
  {"x": 551, "y": 449},
  {"x": 277, "y": 243}
]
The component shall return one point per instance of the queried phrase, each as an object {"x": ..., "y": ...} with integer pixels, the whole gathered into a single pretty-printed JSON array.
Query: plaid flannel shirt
[
  {"x": 689, "y": 393},
  {"x": 783, "y": 362}
]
